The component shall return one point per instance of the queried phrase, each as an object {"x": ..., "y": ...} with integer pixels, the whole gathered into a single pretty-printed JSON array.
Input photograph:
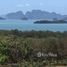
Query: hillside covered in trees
[{"x": 36, "y": 47}]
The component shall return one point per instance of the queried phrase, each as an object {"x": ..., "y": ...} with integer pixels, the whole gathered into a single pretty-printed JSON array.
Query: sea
[{"x": 28, "y": 25}]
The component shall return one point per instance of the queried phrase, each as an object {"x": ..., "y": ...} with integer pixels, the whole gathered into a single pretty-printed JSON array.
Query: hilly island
[{"x": 33, "y": 15}]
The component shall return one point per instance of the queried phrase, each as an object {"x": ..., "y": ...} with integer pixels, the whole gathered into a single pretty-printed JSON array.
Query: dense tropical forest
[{"x": 34, "y": 48}]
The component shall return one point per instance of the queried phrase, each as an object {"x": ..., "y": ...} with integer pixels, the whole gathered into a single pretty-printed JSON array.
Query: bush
[{"x": 3, "y": 59}]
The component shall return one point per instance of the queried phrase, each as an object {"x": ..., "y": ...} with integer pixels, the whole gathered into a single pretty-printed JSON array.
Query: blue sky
[{"x": 58, "y": 6}]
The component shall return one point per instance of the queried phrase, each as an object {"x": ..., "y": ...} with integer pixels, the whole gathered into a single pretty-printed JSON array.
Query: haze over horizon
[{"x": 58, "y": 6}]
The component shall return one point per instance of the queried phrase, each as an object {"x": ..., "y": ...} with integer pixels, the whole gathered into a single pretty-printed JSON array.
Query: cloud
[
  {"x": 27, "y": 4},
  {"x": 24, "y": 5},
  {"x": 41, "y": 4},
  {"x": 19, "y": 5}
]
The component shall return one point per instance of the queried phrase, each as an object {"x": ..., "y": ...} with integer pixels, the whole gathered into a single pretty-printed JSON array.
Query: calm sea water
[{"x": 29, "y": 25}]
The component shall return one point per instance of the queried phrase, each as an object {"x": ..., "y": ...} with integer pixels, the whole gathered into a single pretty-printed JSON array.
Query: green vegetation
[
  {"x": 49, "y": 21},
  {"x": 33, "y": 48}
]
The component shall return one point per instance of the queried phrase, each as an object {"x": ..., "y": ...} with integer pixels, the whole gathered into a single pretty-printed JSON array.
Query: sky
[{"x": 58, "y": 6}]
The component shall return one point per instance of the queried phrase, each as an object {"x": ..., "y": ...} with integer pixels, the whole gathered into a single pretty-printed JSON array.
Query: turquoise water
[{"x": 29, "y": 25}]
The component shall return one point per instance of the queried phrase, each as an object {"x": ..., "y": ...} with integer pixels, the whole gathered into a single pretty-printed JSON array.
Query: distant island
[
  {"x": 33, "y": 15},
  {"x": 2, "y": 18},
  {"x": 24, "y": 18},
  {"x": 50, "y": 21}
]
